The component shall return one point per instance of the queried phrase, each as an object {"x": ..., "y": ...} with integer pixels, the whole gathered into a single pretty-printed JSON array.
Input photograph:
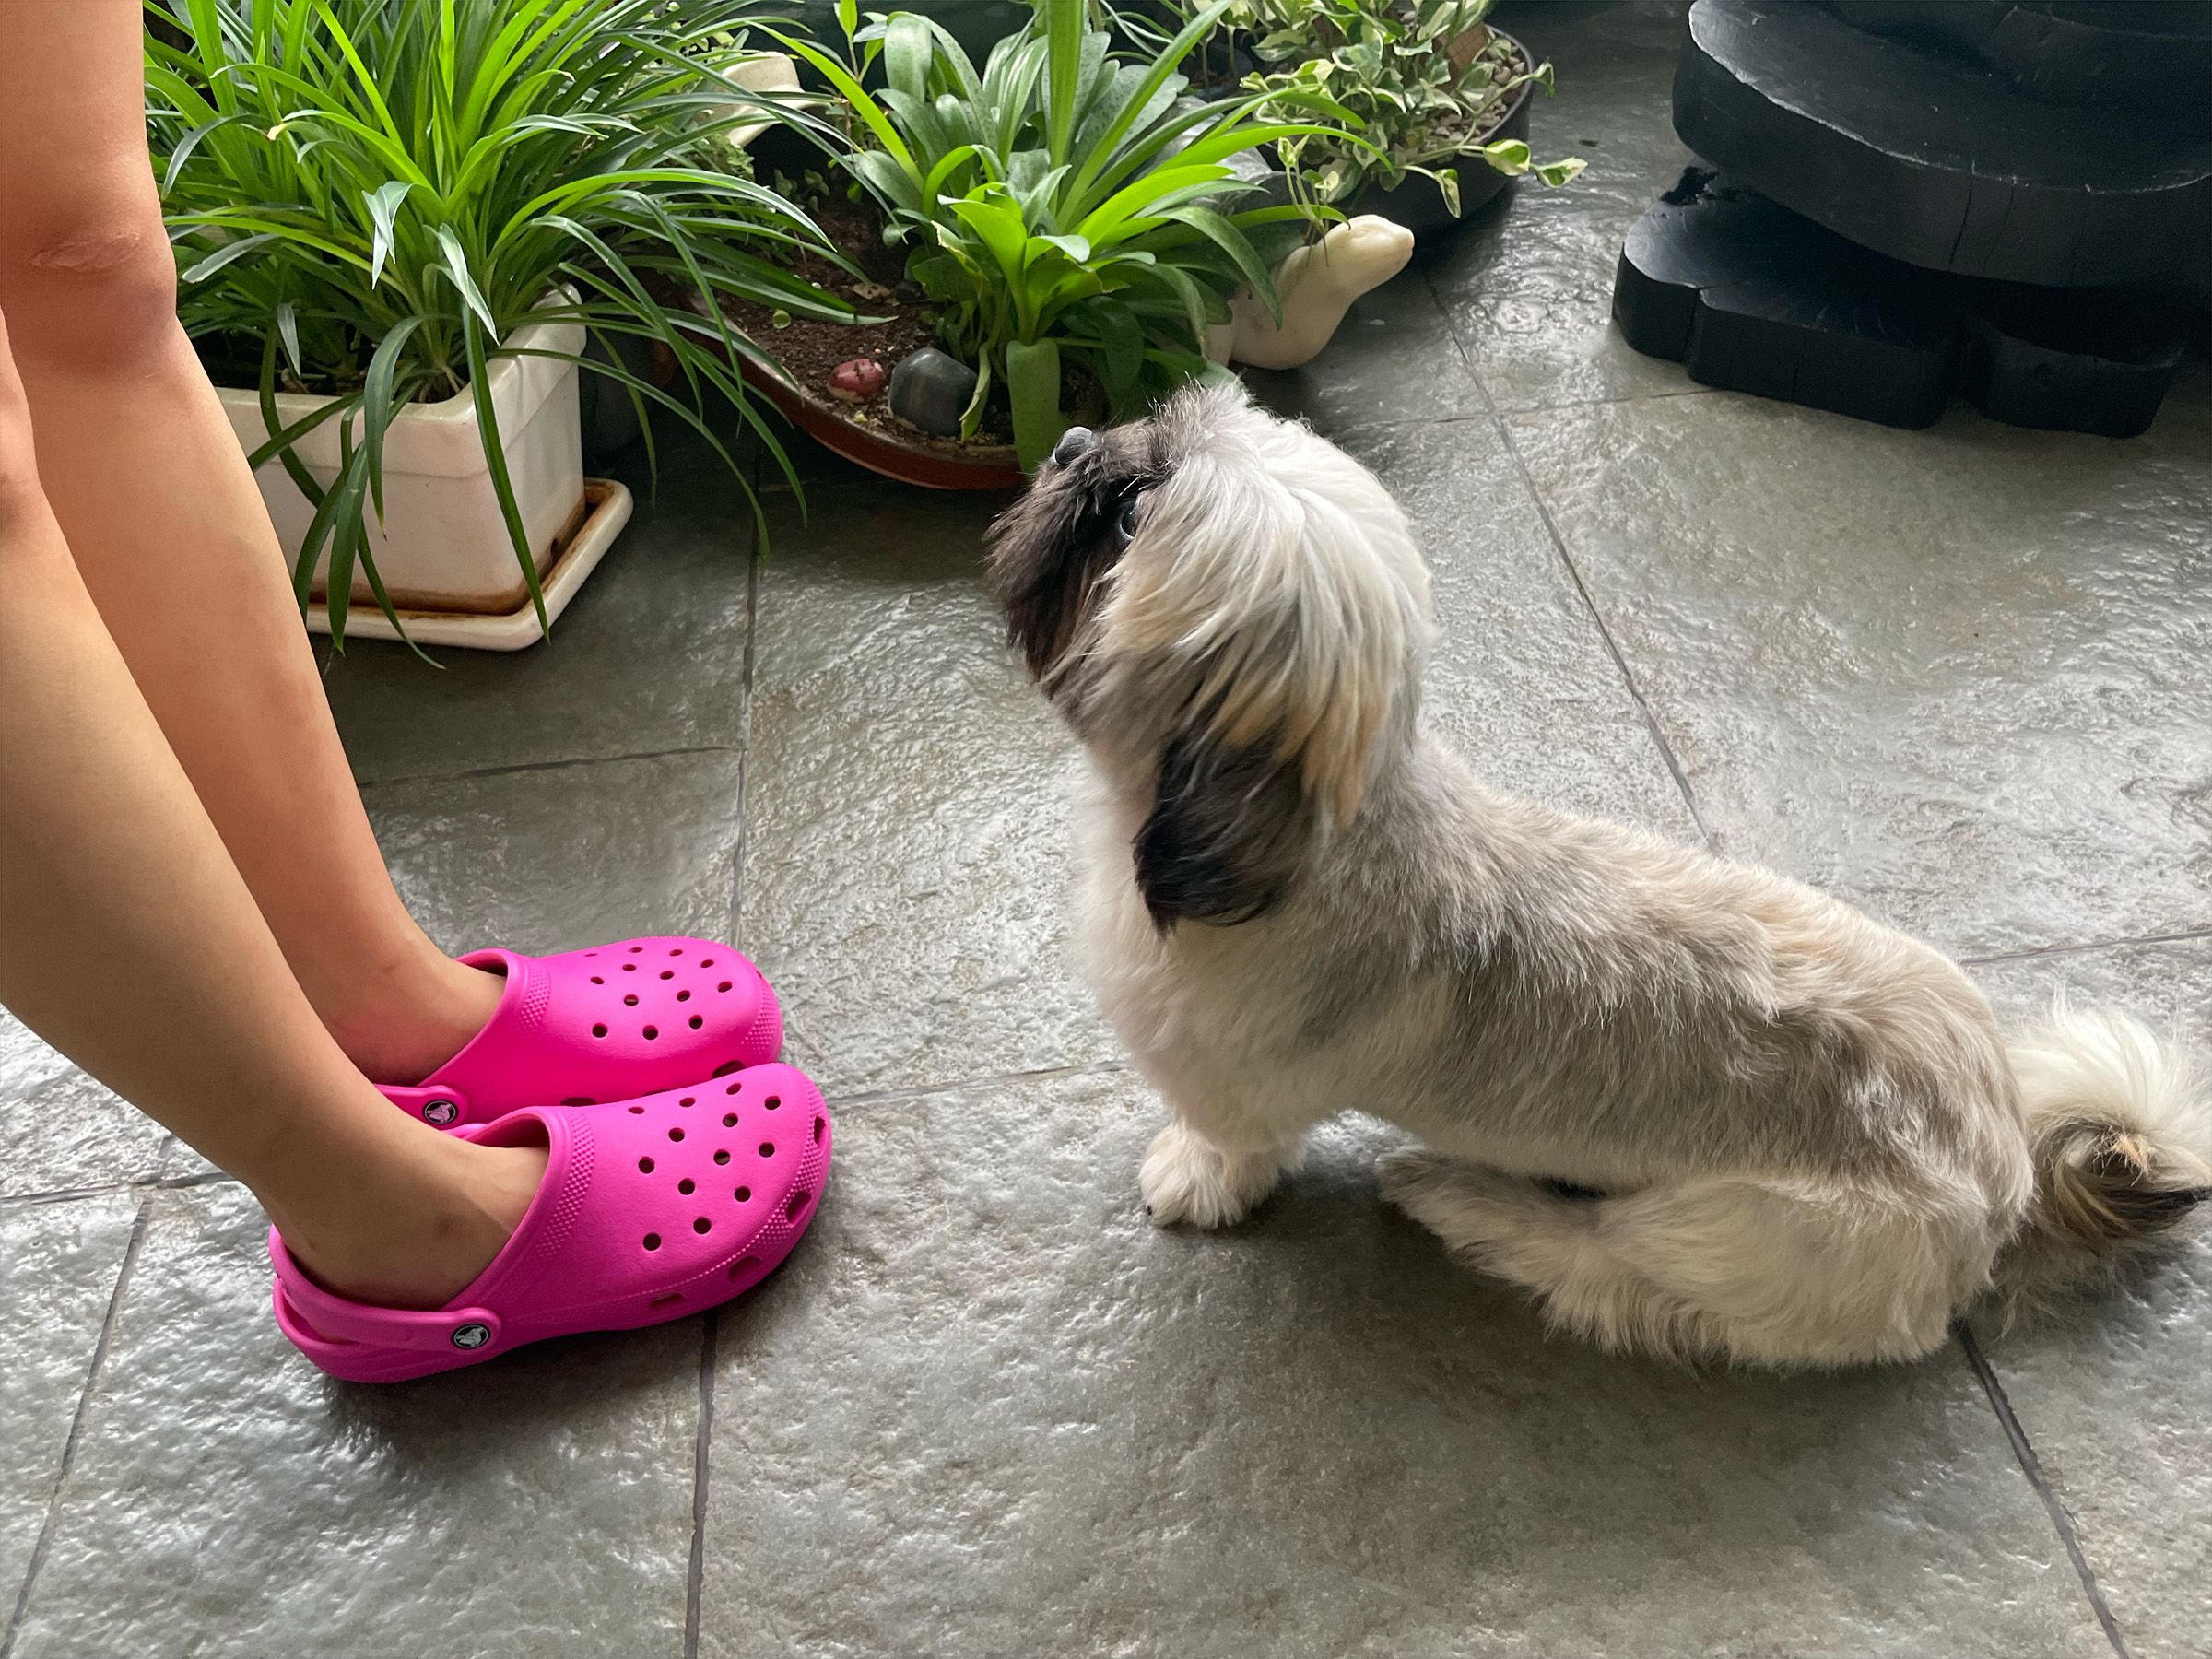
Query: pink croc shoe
[
  {"x": 605, "y": 1024},
  {"x": 650, "y": 1209}
]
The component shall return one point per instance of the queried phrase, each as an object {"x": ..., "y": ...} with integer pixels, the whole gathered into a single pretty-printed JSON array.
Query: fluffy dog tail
[{"x": 2121, "y": 1133}]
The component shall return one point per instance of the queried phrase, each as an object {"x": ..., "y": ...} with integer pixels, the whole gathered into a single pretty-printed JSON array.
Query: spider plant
[
  {"x": 368, "y": 198},
  {"x": 1067, "y": 205}
]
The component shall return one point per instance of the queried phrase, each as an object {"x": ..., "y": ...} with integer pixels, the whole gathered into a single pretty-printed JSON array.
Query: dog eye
[{"x": 1124, "y": 523}]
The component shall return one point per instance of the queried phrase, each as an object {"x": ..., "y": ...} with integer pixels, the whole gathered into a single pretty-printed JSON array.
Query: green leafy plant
[
  {"x": 1068, "y": 206},
  {"x": 368, "y": 198},
  {"x": 1427, "y": 78}
]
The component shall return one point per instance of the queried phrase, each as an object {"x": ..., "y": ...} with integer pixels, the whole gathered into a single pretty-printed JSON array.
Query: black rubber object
[
  {"x": 1749, "y": 296},
  {"x": 2070, "y": 360},
  {"x": 1925, "y": 143}
]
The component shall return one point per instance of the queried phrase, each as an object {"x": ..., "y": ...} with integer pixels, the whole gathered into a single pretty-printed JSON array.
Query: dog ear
[{"x": 1226, "y": 831}]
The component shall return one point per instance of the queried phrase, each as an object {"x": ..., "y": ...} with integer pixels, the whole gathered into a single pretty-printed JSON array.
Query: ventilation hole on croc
[
  {"x": 729, "y": 1120},
  {"x": 637, "y": 950},
  {"x": 795, "y": 1204},
  {"x": 683, "y": 997},
  {"x": 597, "y": 980},
  {"x": 644, "y": 1166},
  {"x": 630, "y": 1001},
  {"x": 726, "y": 1067},
  {"x": 668, "y": 1300},
  {"x": 676, "y": 1134},
  {"x": 774, "y": 1102},
  {"x": 630, "y": 967},
  {"x": 651, "y": 1032},
  {"x": 745, "y": 1194},
  {"x": 733, "y": 1088},
  {"x": 688, "y": 1101},
  {"x": 666, "y": 974},
  {"x": 706, "y": 961},
  {"x": 743, "y": 1266},
  {"x": 723, "y": 986},
  {"x": 653, "y": 1241},
  {"x": 696, "y": 1022},
  {"x": 637, "y": 1112},
  {"x": 591, "y": 953},
  {"x": 599, "y": 1031},
  {"x": 722, "y": 1157},
  {"x": 702, "y": 1225},
  {"x": 817, "y": 1131},
  {"x": 580, "y": 1101},
  {"x": 678, "y": 951},
  {"x": 687, "y": 1186},
  {"x": 768, "y": 1149}
]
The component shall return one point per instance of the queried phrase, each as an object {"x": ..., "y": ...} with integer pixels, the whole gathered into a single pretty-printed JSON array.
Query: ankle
[
  {"x": 421, "y": 1245},
  {"x": 402, "y": 1022}
]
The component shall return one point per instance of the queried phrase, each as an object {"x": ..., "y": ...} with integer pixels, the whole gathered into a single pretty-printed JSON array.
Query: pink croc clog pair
[{"x": 682, "y": 1165}]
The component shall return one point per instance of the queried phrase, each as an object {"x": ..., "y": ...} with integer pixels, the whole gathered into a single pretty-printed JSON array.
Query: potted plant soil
[
  {"x": 395, "y": 244},
  {"x": 1441, "y": 100},
  {"x": 1047, "y": 239}
]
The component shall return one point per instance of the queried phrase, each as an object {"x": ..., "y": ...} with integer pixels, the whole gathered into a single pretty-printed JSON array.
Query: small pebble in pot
[
  {"x": 858, "y": 380},
  {"x": 930, "y": 390}
]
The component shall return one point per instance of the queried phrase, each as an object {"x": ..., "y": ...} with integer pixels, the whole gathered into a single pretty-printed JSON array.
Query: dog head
[{"x": 1230, "y": 613}]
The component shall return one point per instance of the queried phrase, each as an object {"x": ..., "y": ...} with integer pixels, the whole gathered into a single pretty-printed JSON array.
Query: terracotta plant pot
[{"x": 910, "y": 458}]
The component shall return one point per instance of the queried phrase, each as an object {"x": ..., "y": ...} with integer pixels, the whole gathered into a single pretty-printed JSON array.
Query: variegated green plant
[
  {"x": 1427, "y": 78},
  {"x": 1068, "y": 204},
  {"x": 369, "y": 198}
]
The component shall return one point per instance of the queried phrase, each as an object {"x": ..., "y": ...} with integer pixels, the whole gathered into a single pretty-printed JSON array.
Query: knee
[{"x": 88, "y": 280}]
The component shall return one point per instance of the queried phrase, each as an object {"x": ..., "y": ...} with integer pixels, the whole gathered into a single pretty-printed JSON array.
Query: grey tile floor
[{"x": 1963, "y": 677}]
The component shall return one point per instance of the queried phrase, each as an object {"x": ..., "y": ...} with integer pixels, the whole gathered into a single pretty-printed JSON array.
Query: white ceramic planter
[{"x": 443, "y": 545}]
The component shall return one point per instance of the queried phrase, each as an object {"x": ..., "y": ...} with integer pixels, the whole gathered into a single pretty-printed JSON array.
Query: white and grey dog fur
[{"x": 1698, "y": 1108}]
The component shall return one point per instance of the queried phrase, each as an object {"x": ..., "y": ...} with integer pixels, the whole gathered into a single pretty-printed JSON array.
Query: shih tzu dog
[{"x": 1698, "y": 1109}]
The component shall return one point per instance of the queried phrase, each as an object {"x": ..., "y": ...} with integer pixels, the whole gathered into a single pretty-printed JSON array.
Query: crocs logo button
[
  {"x": 472, "y": 1335},
  {"x": 437, "y": 1114}
]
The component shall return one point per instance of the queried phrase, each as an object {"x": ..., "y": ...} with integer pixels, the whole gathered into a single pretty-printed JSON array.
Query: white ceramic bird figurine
[{"x": 1316, "y": 284}]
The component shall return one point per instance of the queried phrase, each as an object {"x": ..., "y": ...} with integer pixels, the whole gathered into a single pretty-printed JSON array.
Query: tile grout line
[
  {"x": 2032, "y": 1467},
  {"x": 870, "y": 1097},
  {"x": 702, "y": 1453},
  {"x": 93, "y": 1369},
  {"x": 745, "y": 729},
  {"x": 2036, "y": 952},
  {"x": 696, "y": 1574},
  {"x": 1605, "y": 634},
  {"x": 564, "y": 763},
  {"x": 151, "y": 1183},
  {"x": 1582, "y": 588}
]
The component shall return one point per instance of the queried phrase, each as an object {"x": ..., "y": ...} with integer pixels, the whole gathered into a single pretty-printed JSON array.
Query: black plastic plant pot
[{"x": 1415, "y": 201}]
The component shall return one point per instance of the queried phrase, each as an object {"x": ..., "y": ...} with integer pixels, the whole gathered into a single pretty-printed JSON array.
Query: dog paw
[
  {"x": 1416, "y": 1181},
  {"x": 1189, "y": 1180}
]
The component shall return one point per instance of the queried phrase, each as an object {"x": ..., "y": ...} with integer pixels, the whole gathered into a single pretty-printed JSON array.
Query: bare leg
[
  {"x": 129, "y": 942},
  {"x": 167, "y": 526}
]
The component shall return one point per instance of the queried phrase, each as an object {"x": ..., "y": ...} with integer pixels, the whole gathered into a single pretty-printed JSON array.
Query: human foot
[
  {"x": 404, "y": 1021},
  {"x": 647, "y": 1210},
  {"x": 609, "y": 1023},
  {"x": 423, "y": 1247}
]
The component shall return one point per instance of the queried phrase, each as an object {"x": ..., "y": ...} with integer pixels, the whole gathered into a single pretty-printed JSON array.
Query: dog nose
[{"x": 1075, "y": 442}]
